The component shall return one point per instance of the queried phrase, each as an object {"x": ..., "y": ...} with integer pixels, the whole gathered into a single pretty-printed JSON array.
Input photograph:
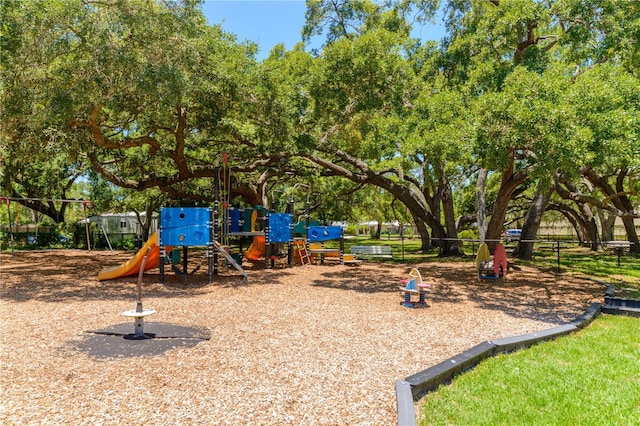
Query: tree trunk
[
  {"x": 481, "y": 204},
  {"x": 146, "y": 226},
  {"x": 510, "y": 182},
  {"x": 607, "y": 224},
  {"x": 524, "y": 250},
  {"x": 632, "y": 235},
  {"x": 620, "y": 200},
  {"x": 425, "y": 240},
  {"x": 580, "y": 227},
  {"x": 451, "y": 240},
  {"x": 573, "y": 218},
  {"x": 591, "y": 226}
]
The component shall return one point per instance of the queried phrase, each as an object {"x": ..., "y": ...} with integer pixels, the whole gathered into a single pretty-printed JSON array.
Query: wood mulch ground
[{"x": 303, "y": 345}]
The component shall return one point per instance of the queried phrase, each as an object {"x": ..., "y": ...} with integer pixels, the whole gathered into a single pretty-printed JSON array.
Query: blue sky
[{"x": 269, "y": 22}]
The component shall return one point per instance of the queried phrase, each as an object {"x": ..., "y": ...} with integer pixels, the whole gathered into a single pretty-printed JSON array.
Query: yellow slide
[
  {"x": 256, "y": 249},
  {"x": 132, "y": 266}
]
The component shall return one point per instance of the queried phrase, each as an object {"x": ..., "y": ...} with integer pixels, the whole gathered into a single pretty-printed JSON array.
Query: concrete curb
[
  {"x": 621, "y": 302},
  {"x": 620, "y": 306},
  {"x": 611, "y": 289},
  {"x": 514, "y": 343},
  {"x": 430, "y": 379},
  {"x": 589, "y": 315},
  {"x": 404, "y": 400},
  {"x": 620, "y": 310}
]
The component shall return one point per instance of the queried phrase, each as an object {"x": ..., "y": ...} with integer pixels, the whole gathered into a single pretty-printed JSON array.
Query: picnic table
[{"x": 618, "y": 247}]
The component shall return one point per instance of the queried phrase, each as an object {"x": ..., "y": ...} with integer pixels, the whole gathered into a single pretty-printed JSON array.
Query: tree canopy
[{"x": 520, "y": 97}]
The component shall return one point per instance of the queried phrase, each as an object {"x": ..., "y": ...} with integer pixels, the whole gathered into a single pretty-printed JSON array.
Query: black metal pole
[
  {"x": 216, "y": 215},
  {"x": 163, "y": 256},
  {"x": 291, "y": 225},
  {"x": 619, "y": 252},
  {"x": 10, "y": 228},
  {"x": 212, "y": 236},
  {"x": 267, "y": 245},
  {"x": 185, "y": 261}
]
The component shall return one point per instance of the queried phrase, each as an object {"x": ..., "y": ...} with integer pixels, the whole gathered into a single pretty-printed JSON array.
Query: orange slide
[
  {"x": 132, "y": 266},
  {"x": 256, "y": 249}
]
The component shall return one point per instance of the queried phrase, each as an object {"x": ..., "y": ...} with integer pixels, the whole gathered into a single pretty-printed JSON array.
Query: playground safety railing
[{"x": 557, "y": 246}]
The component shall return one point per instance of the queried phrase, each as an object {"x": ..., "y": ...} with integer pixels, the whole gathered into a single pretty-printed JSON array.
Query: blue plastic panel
[
  {"x": 324, "y": 233},
  {"x": 235, "y": 220},
  {"x": 279, "y": 227},
  {"x": 185, "y": 226}
]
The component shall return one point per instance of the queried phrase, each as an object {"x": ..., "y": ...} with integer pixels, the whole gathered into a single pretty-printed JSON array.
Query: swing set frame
[{"x": 85, "y": 204}]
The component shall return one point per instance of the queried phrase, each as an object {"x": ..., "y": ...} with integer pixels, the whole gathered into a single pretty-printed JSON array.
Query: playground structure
[
  {"x": 220, "y": 234},
  {"x": 317, "y": 235},
  {"x": 150, "y": 249},
  {"x": 184, "y": 227},
  {"x": 279, "y": 228},
  {"x": 180, "y": 227},
  {"x": 304, "y": 241},
  {"x": 222, "y": 229},
  {"x": 265, "y": 227},
  {"x": 187, "y": 227},
  {"x": 491, "y": 267}
]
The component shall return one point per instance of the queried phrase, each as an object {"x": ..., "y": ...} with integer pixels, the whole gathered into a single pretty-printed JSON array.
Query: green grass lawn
[{"x": 589, "y": 377}]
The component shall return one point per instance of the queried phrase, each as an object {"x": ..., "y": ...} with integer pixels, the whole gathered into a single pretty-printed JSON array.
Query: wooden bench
[
  {"x": 322, "y": 254},
  {"x": 347, "y": 259},
  {"x": 371, "y": 251},
  {"x": 318, "y": 253}
]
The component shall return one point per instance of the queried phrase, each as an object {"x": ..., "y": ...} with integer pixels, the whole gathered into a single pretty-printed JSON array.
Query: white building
[{"x": 121, "y": 224}]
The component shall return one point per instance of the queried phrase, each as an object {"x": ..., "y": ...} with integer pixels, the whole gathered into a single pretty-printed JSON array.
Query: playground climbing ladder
[{"x": 300, "y": 246}]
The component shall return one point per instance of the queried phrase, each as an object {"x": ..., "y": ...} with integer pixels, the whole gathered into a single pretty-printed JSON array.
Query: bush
[
  {"x": 126, "y": 244},
  {"x": 351, "y": 230},
  {"x": 468, "y": 234},
  {"x": 48, "y": 236}
]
